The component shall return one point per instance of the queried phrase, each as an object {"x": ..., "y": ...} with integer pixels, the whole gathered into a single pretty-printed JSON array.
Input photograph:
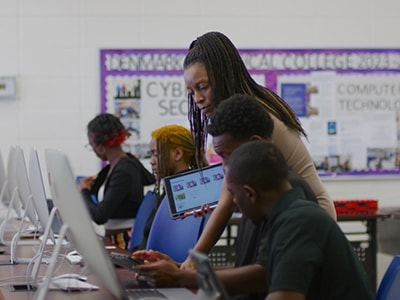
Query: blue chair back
[
  {"x": 389, "y": 288},
  {"x": 173, "y": 237},
  {"x": 142, "y": 215}
]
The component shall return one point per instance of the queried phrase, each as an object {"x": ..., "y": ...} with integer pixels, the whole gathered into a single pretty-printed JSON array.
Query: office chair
[
  {"x": 389, "y": 288},
  {"x": 173, "y": 237},
  {"x": 143, "y": 213}
]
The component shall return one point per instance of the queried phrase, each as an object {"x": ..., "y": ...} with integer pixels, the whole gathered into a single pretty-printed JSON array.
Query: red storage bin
[{"x": 356, "y": 207}]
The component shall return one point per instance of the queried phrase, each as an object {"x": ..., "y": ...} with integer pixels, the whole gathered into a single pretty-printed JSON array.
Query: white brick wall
[{"x": 52, "y": 47}]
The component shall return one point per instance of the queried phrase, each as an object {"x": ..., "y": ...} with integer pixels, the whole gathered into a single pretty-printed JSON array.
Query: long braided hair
[
  {"x": 168, "y": 138},
  {"x": 228, "y": 75}
]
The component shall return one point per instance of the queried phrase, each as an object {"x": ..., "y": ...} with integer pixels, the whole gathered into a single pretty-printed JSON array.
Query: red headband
[{"x": 117, "y": 140}]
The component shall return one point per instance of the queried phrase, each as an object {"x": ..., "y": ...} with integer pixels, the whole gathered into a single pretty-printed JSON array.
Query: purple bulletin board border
[{"x": 269, "y": 62}]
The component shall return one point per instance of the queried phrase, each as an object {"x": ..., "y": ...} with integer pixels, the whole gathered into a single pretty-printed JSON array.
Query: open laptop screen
[
  {"x": 188, "y": 191},
  {"x": 209, "y": 285}
]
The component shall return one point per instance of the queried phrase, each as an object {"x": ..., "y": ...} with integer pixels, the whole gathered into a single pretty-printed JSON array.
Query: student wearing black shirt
[
  {"x": 113, "y": 195},
  {"x": 309, "y": 257}
]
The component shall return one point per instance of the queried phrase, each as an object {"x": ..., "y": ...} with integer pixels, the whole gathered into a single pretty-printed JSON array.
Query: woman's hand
[
  {"x": 203, "y": 212},
  {"x": 86, "y": 182},
  {"x": 149, "y": 256}
]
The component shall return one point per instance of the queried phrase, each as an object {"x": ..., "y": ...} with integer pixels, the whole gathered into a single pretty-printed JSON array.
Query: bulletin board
[{"x": 348, "y": 100}]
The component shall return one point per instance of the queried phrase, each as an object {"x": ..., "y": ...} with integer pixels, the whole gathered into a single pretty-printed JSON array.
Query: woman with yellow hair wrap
[{"x": 171, "y": 151}]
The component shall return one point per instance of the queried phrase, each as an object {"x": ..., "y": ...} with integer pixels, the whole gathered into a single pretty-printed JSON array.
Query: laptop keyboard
[{"x": 140, "y": 294}]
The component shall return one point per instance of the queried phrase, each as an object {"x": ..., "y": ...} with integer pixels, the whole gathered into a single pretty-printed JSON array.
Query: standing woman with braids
[
  {"x": 172, "y": 151},
  {"x": 118, "y": 187},
  {"x": 214, "y": 71}
]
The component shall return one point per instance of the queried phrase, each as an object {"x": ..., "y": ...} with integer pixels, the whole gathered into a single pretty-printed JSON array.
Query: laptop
[
  {"x": 74, "y": 214},
  {"x": 188, "y": 191},
  {"x": 209, "y": 285}
]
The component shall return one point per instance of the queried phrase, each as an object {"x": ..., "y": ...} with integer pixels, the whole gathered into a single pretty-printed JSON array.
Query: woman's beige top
[{"x": 299, "y": 159}]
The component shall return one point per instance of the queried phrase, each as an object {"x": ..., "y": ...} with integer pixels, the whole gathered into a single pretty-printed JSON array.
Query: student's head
[
  {"x": 237, "y": 120},
  {"x": 172, "y": 150},
  {"x": 256, "y": 174},
  {"x": 106, "y": 131},
  {"x": 214, "y": 71}
]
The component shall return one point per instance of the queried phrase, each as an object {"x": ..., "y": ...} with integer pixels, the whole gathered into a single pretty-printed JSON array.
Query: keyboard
[
  {"x": 139, "y": 294},
  {"x": 124, "y": 260}
]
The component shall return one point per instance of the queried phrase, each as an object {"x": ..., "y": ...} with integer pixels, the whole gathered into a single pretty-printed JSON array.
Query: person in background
[
  {"x": 172, "y": 151},
  {"x": 229, "y": 128},
  {"x": 309, "y": 257},
  {"x": 214, "y": 71},
  {"x": 118, "y": 187}
]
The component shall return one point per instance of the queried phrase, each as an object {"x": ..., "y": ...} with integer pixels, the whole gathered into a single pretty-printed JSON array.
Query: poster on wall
[
  {"x": 145, "y": 89},
  {"x": 348, "y": 100}
]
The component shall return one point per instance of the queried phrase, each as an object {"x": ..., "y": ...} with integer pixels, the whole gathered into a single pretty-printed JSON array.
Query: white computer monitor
[
  {"x": 15, "y": 202},
  {"x": 14, "y": 205},
  {"x": 5, "y": 196},
  {"x": 39, "y": 193},
  {"x": 22, "y": 183},
  {"x": 75, "y": 215}
]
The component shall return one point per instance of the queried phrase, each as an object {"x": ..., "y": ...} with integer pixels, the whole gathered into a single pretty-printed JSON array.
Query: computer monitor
[
  {"x": 75, "y": 215},
  {"x": 22, "y": 183},
  {"x": 14, "y": 205},
  {"x": 39, "y": 193},
  {"x": 5, "y": 196},
  {"x": 15, "y": 202}
]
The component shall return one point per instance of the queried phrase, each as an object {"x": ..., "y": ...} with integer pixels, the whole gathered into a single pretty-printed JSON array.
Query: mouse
[
  {"x": 73, "y": 252},
  {"x": 71, "y": 275}
]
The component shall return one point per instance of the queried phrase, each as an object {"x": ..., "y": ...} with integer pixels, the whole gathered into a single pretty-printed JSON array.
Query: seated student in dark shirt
[
  {"x": 118, "y": 187},
  {"x": 230, "y": 128},
  {"x": 309, "y": 257}
]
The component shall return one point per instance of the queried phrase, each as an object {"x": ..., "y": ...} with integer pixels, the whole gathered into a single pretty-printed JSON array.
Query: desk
[
  {"x": 365, "y": 248},
  {"x": 7, "y": 271},
  {"x": 101, "y": 294},
  {"x": 388, "y": 232}
]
